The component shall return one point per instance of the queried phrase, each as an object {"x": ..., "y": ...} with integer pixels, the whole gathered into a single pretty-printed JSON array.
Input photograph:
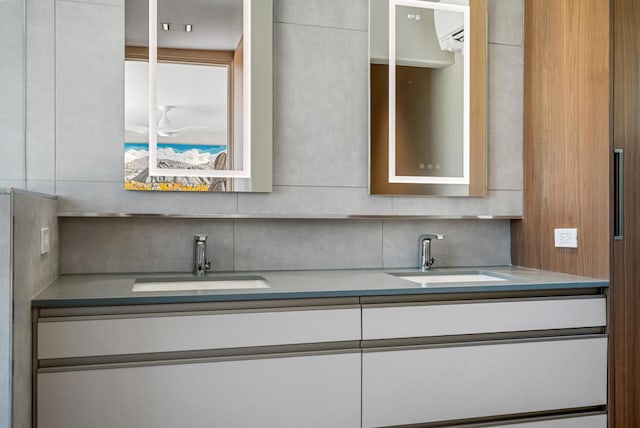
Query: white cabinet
[
  {"x": 431, "y": 362},
  {"x": 72, "y": 337},
  {"x": 227, "y": 367},
  {"x": 466, "y": 381},
  {"x": 329, "y": 363},
  {"x": 469, "y": 317},
  {"x": 296, "y": 391}
]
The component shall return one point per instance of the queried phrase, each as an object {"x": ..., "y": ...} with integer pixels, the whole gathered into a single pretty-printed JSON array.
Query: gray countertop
[{"x": 116, "y": 289}]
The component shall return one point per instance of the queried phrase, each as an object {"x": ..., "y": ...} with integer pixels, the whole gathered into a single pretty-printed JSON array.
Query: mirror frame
[
  {"x": 382, "y": 180},
  {"x": 257, "y": 98}
]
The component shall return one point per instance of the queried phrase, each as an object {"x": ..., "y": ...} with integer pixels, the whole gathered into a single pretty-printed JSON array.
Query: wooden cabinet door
[
  {"x": 321, "y": 390},
  {"x": 625, "y": 288}
]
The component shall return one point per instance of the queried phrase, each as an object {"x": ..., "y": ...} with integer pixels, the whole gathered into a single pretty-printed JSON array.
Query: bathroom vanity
[{"x": 362, "y": 348}]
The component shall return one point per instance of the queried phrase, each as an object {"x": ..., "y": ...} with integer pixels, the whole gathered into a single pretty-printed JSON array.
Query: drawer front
[
  {"x": 118, "y": 336},
  {"x": 410, "y": 386},
  {"x": 386, "y": 322},
  {"x": 298, "y": 391},
  {"x": 596, "y": 421}
]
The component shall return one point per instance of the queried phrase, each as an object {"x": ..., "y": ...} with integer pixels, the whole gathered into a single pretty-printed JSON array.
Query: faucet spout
[
  {"x": 201, "y": 263},
  {"x": 426, "y": 260}
]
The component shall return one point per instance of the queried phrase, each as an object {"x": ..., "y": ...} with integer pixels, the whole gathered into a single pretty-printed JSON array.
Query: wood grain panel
[
  {"x": 626, "y": 253},
  {"x": 566, "y": 137}
]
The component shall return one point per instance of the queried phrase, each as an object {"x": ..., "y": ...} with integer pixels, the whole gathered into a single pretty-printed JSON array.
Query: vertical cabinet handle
[{"x": 618, "y": 182}]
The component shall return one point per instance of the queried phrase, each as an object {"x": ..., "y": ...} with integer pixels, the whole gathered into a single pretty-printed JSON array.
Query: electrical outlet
[
  {"x": 566, "y": 238},
  {"x": 45, "y": 240}
]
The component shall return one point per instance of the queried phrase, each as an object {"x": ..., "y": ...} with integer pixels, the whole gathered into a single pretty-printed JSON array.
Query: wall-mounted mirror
[
  {"x": 198, "y": 95},
  {"x": 428, "y": 88}
]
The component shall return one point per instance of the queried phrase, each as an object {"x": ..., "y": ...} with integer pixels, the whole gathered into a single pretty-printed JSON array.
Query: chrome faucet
[
  {"x": 425, "y": 250},
  {"x": 201, "y": 263}
]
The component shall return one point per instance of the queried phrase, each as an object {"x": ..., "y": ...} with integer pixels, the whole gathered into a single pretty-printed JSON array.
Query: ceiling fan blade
[{"x": 171, "y": 132}]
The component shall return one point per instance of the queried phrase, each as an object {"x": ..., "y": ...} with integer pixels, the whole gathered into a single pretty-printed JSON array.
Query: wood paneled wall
[{"x": 566, "y": 137}]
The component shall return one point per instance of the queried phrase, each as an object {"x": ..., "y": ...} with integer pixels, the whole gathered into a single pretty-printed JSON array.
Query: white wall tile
[
  {"x": 352, "y": 14},
  {"x": 505, "y": 110},
  {"x": 304, "y": 200},
  {"x": 12, "y": 87},
  {"x": 89, "y": 92},
  {"x": 41, "y": 91},
  {"x": 496, "y": 203},
  {"x": 506, "y": 22},
  {"x": 111, "y": 197},
  {"x": 320, "y": 89}
]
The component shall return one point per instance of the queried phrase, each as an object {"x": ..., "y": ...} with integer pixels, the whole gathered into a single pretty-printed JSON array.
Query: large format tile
[
  {"x": 320, "y": 106},
  {"x": 506, "y": 22},
  {"x": 496, "y": 203},
  {"x": 141, "y": 245},
  {"x": 352, "y": 14},
  {"x": 301, "y": 200},
  {"x": 6, "y": 305},
  {"x": 16, "y": 184},
  {"x": 119, "y": 3},
  {"x": 307, "y": 244},
  {"x": 42, "y": 186},
  {"x": 505, "y": 157},
  {"x": 89, "y": 91},
  {"x": 32, "y": 272},
  {"x": 41, "y": 91},
  {"x": 106, "y": 197},
  {"x": 466, "y": 243},
  {"x": 12, "y": 86}
]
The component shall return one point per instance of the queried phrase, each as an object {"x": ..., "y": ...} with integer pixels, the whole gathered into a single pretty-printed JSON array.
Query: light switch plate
[
  {"x": 45, "y": 240},
  {"x": 566, "y": 238}
]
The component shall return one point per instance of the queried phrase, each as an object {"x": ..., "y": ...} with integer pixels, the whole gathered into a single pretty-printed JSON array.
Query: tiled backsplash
[{"x": 166, "y": 245}]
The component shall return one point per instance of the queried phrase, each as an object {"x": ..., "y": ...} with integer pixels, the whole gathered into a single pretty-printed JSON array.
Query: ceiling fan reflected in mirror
[{"x": 165, "y": 128}]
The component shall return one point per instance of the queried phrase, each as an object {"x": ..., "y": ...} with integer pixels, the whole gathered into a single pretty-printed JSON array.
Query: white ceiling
[{"x": 217, "y": 24}]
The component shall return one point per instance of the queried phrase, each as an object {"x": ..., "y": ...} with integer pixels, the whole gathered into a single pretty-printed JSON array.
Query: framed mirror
[
  {"x": 428, "y": 86},
  {"x": 198, "y": 95}
]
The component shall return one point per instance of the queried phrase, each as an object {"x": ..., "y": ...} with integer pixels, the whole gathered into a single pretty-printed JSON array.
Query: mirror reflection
[
  {"x": 421, "y": 98},
  {"x": 202, "y": 110}
]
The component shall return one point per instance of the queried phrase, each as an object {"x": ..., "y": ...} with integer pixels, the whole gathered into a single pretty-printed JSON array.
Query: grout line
[{"x": 330, "y": 27}]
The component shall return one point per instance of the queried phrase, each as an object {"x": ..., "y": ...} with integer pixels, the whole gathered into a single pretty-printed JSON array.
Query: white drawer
[
  {"x": 60, "y": 338},
  {"x": 411, "y": 386},
  {"x": 441, "y": 319},
  {"x": 317, "y": 391}
]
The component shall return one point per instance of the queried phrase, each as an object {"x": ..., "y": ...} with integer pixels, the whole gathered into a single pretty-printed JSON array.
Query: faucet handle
[
  {"x": 432, "y": 236},
  {"x": 200, "y": 237},
  {"x": 207, "y": 264}
]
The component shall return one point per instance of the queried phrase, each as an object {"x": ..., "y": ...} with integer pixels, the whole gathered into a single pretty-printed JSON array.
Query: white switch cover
[
  {"x": 566, "y": 238},
  {"x": 45, "y": 240}
]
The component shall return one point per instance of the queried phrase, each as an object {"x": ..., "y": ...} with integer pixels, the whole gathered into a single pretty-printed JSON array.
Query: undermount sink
[
  {"x": 453, "y": 279},
  {"x": 198, "y": 284}
]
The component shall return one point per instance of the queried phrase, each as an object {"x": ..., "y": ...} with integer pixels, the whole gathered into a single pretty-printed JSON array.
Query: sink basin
[
  {"x": 453, "y": 279},
  {"x": 198, "y": 284}
]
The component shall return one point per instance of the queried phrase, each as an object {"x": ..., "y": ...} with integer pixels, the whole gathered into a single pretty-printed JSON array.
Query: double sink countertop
[{"x": 117, "y": 289}]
